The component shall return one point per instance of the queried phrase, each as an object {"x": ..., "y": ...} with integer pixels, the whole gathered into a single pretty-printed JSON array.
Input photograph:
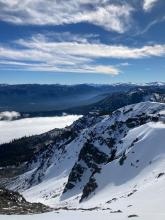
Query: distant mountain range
[
  {"x": 117, "y": 100},
  {"x": 33, "y": 98},
  {"x": 49, "y": 100}
]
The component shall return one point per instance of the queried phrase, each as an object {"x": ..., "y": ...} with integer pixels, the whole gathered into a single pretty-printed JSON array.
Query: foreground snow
[
  {"x": 90, "y": 215},
  {"x": 147, "y": 203},
  {"x": 10, "y": 130}
]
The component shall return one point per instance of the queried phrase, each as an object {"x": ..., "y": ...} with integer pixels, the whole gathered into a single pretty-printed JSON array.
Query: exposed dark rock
[
  {"x": 122, "y": 159},
  {"x": 91, "y": 155},
  {"x": 13, "y": 203},
  {"x": 75, "y": 176},
  {"x": 133, "y": 216},
  {"x": 160, "y": 175},
  {"x": 92, "y": 158},
  {"x": 117, "y": 211},
  {"x": 131, "y": 193},
  {"x": 89, "y": 188}
]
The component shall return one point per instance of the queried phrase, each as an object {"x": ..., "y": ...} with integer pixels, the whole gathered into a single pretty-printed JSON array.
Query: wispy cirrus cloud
[
  {"x": 90, "y": 50},
  {"x": 148, "y": 4},
  {"x": 103, "y": 13},
  {"x": 42, "y": 53}
]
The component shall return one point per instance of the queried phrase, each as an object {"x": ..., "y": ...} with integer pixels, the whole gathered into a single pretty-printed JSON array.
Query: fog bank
[{"x": 10, "y": 130}]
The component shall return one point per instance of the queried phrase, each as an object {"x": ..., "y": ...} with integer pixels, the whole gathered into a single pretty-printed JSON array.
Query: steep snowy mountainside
[
  {"x": 143, "y": 163},
  {"x": 98, "y": 159},
  {"x": 135, "y": 186},
  {"x": 111, "y": 164},
  {"x": 24, "y": 150},
  {"x": 40, "y": 152},
  {"x": 106, "y": 145}
]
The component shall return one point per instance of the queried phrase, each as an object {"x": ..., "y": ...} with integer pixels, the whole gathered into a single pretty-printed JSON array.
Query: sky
[{"x": 82, "y": 41}]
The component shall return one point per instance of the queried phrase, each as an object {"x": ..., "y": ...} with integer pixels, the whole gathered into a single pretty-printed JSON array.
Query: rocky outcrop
[{"x": 13, "y": 203}]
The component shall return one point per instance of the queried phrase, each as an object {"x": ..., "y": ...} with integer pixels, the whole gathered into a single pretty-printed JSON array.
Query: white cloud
[
  {"x": 81, "y": 56},
  {"x": 115, "y": 17},
  {"x": 111, "y": 17},
  {"x": 124, "y": 64},
  {"x": 10, "y": 130},
  {"x": 148, "y": 4},
  {"x": 9, "y": 115},
  {"x": 105, "y": 69}
]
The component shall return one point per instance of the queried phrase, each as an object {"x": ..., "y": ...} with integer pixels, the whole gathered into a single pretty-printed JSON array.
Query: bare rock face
[{"x": 13, "y": 203}]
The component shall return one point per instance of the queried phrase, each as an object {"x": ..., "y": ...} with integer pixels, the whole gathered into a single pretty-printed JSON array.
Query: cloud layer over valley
[{"x": 10, "y": 130}]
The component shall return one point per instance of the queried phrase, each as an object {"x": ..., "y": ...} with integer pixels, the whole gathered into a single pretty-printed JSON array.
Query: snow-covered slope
[
  {"x": 114, "y": 162},
  {"x": 142, "y": 165}
]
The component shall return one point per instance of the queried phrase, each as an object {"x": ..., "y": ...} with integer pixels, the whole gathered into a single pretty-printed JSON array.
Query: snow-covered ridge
[{"x": 98, "y": 159}]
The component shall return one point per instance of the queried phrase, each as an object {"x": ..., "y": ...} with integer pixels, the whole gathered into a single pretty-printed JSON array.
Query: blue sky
[{"x": 82, "y": 41}]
